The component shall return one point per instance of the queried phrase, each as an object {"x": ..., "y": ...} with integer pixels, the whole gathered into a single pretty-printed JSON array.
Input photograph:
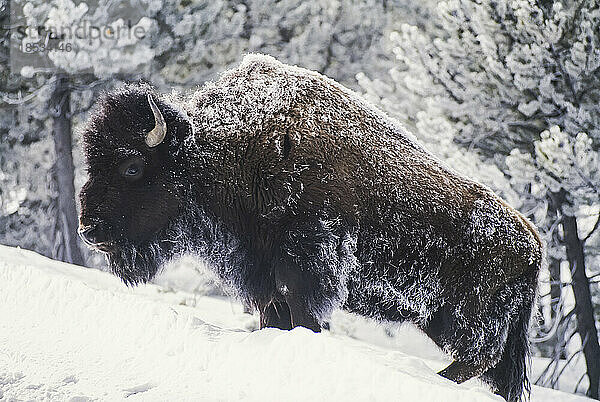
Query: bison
[{"x": 305, "y": 198}]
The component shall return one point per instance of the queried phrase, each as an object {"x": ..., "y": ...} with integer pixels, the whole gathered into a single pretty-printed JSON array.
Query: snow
[{"x": 75, "y": 334}]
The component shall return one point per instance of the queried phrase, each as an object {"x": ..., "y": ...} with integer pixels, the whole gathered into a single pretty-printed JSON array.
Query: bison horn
[{"x": 158, "y": 133}]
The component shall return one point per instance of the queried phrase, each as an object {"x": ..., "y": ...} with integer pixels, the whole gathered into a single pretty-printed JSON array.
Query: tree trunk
[
  {"x": 60, "y": 109},
  {"x": 584, "y": 308},
  {"x": 556, "y": 292},
  {"x": 557, "y": 342}
]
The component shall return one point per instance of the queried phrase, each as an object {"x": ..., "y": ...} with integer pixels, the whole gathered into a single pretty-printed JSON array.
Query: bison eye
[{"x": 132, "y": 169}]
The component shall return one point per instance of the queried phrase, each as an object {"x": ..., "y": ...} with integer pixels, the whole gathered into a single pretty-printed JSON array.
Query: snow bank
[{"x": 74, "y": 334}]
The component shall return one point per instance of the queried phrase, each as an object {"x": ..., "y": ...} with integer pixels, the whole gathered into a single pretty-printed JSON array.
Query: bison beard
[
  {"x": 304, "y": 198},
  {"x": 192, "y": 231}
]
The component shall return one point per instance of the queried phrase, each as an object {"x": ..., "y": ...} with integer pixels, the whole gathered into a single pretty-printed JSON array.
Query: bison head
[{"x": 136, "y": 183}]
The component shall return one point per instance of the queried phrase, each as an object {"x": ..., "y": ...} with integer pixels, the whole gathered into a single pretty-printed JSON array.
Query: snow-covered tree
[
  {"x": 26, "y": 156},
  {"x": 339, "y": 38}
]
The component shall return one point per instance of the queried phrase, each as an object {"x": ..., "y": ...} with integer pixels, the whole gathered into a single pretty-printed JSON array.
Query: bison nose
[{"x": 91, "y": 234}]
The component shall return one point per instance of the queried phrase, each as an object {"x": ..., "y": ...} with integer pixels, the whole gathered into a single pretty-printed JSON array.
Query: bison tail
[{"x": 509, "y": 377}]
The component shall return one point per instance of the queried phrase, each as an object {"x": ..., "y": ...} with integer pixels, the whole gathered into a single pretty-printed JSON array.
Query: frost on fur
[{"x": 305, "y": 198}]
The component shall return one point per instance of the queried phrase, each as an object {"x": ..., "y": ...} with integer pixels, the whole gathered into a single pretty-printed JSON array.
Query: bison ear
[{"x": 158, "y": 133}]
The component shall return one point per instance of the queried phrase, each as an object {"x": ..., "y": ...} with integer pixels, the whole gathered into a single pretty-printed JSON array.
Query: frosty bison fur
[{"x": 305, "y": 198}]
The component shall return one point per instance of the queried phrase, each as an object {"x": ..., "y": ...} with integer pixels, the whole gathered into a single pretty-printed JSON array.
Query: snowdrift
[{"x": 75, "y": 334}]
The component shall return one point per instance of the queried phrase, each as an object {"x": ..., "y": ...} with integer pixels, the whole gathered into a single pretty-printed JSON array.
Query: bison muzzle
[{"x": 305, "y": 198}]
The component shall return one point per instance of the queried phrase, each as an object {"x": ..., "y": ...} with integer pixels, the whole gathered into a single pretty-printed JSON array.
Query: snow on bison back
[{"x": 305, "y": 198}]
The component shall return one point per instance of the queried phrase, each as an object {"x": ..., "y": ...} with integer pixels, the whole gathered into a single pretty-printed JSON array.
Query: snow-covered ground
[{"x": 74, "y": 334}]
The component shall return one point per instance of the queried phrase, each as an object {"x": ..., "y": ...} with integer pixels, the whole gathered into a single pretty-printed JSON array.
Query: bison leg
[
  {"x": 489, "y": 340},
  {"x": 474, "y": 338},
  {"x": 287, "y": 312},
  {"x": 275, "y": 314},
  {"x": 295, "y": 290},
  {"x": 438, "y": 330},
  {"x": 301, "y": 317},
  {"x": 312, "y": 272},
  {"x": 460, "y": 372}
]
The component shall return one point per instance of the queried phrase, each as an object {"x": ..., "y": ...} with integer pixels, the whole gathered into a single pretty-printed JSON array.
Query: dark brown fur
[{"x": 305, "y": 198}]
